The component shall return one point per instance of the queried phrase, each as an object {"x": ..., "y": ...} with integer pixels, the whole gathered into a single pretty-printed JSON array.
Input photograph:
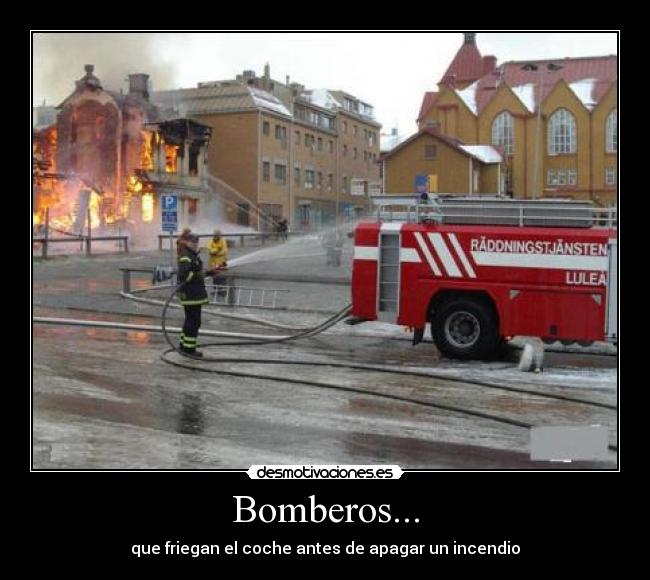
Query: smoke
[{"x": 59, "y": 60}]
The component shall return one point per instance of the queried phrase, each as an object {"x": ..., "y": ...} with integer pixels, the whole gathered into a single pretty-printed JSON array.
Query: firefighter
[
  {"x": 192, "y": 293},
  {"x": 218, "y": 249}
]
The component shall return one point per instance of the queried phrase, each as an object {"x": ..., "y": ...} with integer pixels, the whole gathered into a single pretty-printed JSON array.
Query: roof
[
  {"x": 427, "y": 102},
  {"x": 467, "y": 65},
  {"x": 482, "y": 153},
  {"x": 485, "y": 153},
  {"x": 589, "y": 78},
  {"x": 214, "y": 99},
  {"x": 322, "y": 98}
]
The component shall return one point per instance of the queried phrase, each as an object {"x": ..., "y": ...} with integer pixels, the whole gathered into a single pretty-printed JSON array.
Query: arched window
[
  {"x": 612, "y": 132},
  {"x": 502, "y": 132},
  {"x": 561, "y": 133}
]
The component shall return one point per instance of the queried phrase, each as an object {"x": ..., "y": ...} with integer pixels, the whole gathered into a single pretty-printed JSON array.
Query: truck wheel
[{"x": 465, "y": 328}]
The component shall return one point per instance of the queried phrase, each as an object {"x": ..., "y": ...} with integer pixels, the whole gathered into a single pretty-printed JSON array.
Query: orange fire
[
  {"x": 171, "y": 154},
  {"x": 146, "y": 157}
]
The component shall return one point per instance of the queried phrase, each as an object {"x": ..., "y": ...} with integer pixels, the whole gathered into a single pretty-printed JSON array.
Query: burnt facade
[{"x": 123, "y": 148}]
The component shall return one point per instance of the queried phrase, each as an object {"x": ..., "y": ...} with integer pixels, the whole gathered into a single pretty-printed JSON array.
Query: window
[
  {"x": 266, "y": 171},
  {"x": 330, "y": 145},
  {"x": 320, "y": 179},
  {"x": 354, "y": 153},
  {"x": 320, "y": 144},
  {"x": 354, "y": 130},
  {"x": 243, "y": 213},
  {"x": 502, "y": 132},
  {"x": 296, "y": 175},
  {"x": 345, "y": 184},
  {"x": 573, "y": 177},
  {"x": 345, "y": 126},
  {"x": 345, "y": 150},
  {"x": 365, "y": 156},
  {"x": 551, "y": 177},
  {"x": 330, "y": 181},
  {"x": 612, "y": 132},
  {"x": 194, "y": 159},
  {"x": 297, "y": 140},
  {"x": 309, "y": 179},
  {"x": 610, "y": 176},
  {"x": 561, "y": 177},
  {"x": 561, "y": 133},
  {"x": 306, "y": 140},
  {"x": 280, "y": 174},
  {"x": 266, "y": 128},
  {"x": 430, "y": 152}
]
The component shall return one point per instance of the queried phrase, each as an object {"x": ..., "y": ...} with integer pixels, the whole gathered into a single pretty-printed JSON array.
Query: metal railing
[
  {"x": 261, "y": 236},
  {"x": 550, "y": 213},
  {"x": 45, "y": 241}
]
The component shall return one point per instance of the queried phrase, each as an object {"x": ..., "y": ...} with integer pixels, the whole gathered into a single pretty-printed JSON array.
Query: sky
[{"x": 391, "y": 71}]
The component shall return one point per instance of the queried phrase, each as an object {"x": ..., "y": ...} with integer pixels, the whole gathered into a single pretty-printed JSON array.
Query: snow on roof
[
  {"x": 268, "y": 101},
  {"x": 486, "y": 153},
  {"x": 526, "y": 94},
  {"x": 469, "y": 97},
  {"x": 322, "y": 98},
  {"x": 584, "y": 90}
]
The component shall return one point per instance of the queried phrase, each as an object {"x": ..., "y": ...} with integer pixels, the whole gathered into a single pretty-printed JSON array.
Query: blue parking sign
[{"x": 169, "y": 210}]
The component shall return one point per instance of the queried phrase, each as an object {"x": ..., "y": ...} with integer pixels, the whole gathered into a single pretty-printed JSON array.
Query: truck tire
[{"x": 466, "y": 329}]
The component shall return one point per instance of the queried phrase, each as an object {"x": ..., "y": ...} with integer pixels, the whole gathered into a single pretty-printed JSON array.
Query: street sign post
[{"x": 169, "y": 221}]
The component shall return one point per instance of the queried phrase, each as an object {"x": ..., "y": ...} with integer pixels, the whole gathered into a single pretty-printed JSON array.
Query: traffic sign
[{"x": 169, "y": 210}]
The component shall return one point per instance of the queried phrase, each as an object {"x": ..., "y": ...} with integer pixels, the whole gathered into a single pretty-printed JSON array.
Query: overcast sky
[{"x": 389, "y": 70}]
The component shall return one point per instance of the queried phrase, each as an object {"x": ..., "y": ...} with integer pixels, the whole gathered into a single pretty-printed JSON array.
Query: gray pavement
[{"x": 103, "y": 399}]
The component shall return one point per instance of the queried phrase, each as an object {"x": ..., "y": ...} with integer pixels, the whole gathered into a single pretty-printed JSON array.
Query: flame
[
  {"x": 59, "y": 193},
  {"x": 146, "y": 158},
  {"x": 93, "y": 204},
  {"x": 147, "y": 207},
  {"x": 171, "y": 153},
  {"x": 134, "y": 185}
]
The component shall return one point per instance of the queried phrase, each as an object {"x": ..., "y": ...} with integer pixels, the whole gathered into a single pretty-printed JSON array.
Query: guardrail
[
  {"x": 263, "y": 236},
  {"x": 46, "y": 241}
]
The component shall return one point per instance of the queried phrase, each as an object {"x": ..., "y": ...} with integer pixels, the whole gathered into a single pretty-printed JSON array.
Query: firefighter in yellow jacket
[{"x": 218, "y": 250}]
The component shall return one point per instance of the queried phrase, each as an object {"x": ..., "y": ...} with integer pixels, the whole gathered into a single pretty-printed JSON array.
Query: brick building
[{"x": 281, "y": 150}]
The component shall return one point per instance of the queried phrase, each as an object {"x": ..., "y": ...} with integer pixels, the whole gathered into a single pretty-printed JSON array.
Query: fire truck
[{"x": 478, "y": 272}]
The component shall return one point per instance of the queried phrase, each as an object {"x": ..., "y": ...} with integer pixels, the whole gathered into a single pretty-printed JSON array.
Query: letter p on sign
[{"x": 169, "y": 202}]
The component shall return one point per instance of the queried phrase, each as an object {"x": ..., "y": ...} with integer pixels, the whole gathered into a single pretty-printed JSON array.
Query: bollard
[
  {"x": 47, "y": 232},
  {"x": 241, "y": 241},
  {"x": 126, "y": 281},
  {"x": 126, "y": 244},
  {"x": 89, "y": 235}
]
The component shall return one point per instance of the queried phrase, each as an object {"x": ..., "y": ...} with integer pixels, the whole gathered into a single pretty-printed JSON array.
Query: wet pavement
[{"x": 103, "y": 399}]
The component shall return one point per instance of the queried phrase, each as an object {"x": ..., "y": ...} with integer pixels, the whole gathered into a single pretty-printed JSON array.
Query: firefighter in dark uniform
[{"x": 192, "y": 293}]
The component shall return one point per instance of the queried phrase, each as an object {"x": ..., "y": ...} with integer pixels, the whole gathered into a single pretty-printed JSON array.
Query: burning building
[{"x": 113, "y": 154}]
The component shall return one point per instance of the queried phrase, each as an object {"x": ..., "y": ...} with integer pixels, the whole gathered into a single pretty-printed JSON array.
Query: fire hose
[{"x": 307, "y": 333}]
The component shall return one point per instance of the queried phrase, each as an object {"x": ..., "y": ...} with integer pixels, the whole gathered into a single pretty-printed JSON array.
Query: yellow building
[
  {"x": 434, "y": 163},
  {"x": 567, "y": 147}
]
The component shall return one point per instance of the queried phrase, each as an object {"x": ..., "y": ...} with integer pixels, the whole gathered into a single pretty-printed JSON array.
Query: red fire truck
[{"x": 481, "y": 271}]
